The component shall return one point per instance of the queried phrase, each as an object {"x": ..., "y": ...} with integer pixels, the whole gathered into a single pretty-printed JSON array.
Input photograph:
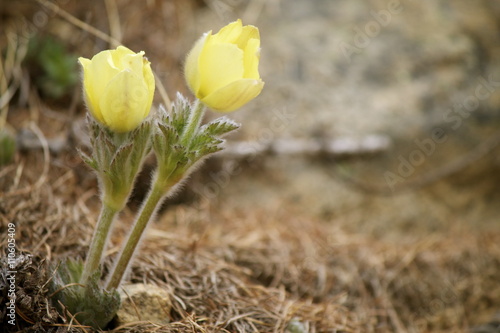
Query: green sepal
[
  {"x": 94, "y": 128},
  {"x": 204, "y": 145},
  {"x": 177, "y": 156},
  {"x": 120, "y": 162},
  {"x": 169, "y": 133},
  {"x": 159, "y": 143},
  {"x": 87, "y": 159},
  {"x": 141, "y": 138},
  {"x": 90, "y": 304},
  {"x": 102, "y": 150},
  {"x": 219, "y": 127},
  {"x": 180, "y": 113},
  {"x": 213, "y": 147},
  {"x": 117, "y": 158}
]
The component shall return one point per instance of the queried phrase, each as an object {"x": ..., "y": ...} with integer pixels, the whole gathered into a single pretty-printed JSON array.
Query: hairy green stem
[
  {"x": 99, "y": 238},
  {"x": 153, "y": 200},
  {"x": 168, "y": 174}
]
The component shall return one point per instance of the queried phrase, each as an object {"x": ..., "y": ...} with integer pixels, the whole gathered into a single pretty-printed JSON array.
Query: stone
[{"x": 144, "y": 302}]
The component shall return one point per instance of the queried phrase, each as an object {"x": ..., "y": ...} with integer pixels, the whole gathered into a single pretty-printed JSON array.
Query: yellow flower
[
  {"x": 222, "y": 69},
  {"x": 118, "y": 87}
]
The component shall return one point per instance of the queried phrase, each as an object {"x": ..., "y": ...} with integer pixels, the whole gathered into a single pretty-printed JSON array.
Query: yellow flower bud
[
  {"x": 118, "y": 87},
  {"x": 222, "y": 69}
]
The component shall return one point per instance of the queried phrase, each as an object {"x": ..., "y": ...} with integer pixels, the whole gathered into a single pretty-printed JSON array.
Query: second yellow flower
[{"x": 222, "y": 69}]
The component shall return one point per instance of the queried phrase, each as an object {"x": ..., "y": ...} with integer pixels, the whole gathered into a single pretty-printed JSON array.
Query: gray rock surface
[{"x": 425, "y": 73}]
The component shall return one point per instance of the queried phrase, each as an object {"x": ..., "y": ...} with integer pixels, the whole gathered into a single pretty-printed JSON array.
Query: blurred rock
[
  {"x": 27, "y": 140},
  {"x": 402, "y": 69},
  {"x": 143, "y": 302}
]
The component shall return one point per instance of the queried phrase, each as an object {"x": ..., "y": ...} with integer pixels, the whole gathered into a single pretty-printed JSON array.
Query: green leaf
[
  {"x": 201, "y": 140},
  {"x": 93, "y": 127},
  {"x": 142, "y": 134},
  {"x": 219, "y": 127},
  {"x": 120, "y": 165},
  {"x": 212, "y": 147},
  {"x": 159, "y": 144},
  {"x": 141, "y": 140},
  {"x": 90, "y": 304},
  {"x": 170, "y": 135},
  {"x": 87, "y": 159},
  {"x": 180, "y": 113},
  {"x": 161, "y": 114}
]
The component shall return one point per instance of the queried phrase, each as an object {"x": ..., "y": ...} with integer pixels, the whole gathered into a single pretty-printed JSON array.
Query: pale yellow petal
[
  {"x": 84, "y": 62},
  {"x": 88, "y": 90},
  {"x": 248, "y": 33},
  {"x": 234, "y": 95},
  {"x": 149, "y": 79},
  {"x": 125, "y": 58},
  {"x": 134, "y": 62},
  {"x": 191, "y": 66},
  {"x": 230, "y": 33},
  {"x": 220, "y": 64},
  {"x": 123, "y": 50},
  {"x": 251, "y": 59},
  {"x": 101, "y": 71},
  {"x": 120, "y": 52},
  {"x": 124, "y": 102}
]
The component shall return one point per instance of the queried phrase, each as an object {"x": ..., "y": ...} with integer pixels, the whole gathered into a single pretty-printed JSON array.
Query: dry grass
[
  {"x": 257, "y": 273},
  {"x": 210, "y": 293}
]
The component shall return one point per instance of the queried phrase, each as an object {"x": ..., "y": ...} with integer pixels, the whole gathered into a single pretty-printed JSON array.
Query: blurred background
[
  {"x": 406, "y": 92},
  {"x": 380, "y": 117}
]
